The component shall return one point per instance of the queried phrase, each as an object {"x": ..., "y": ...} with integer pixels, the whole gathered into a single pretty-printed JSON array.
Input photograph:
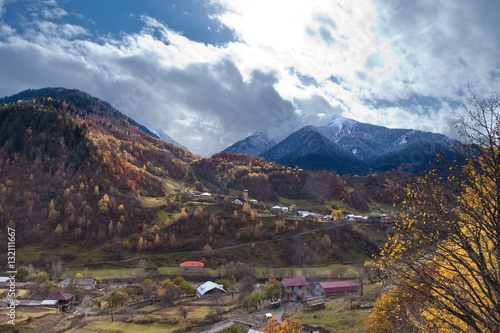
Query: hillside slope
[{"x": 73, "y": 169}]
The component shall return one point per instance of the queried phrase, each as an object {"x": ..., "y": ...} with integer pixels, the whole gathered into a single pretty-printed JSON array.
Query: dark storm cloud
[
  {"x": 205, "y": 106},
  {"x": 206, "y": 101}
]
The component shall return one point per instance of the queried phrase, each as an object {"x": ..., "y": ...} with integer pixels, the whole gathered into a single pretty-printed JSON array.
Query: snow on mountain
[
  {"x": 336, "y": 142},
  {"x": 267, "y": 137}
]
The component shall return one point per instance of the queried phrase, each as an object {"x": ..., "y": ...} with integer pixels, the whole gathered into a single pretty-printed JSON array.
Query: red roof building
[
  {"x": 295, "y": 288},
  {"x": 192, "y": 266},
  {"x": 295, "y": 282},
  {"x": 339, "y": 286}
]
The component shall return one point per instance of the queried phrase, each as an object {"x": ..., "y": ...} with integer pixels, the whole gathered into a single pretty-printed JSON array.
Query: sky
[{"x": 212, "y": 72}]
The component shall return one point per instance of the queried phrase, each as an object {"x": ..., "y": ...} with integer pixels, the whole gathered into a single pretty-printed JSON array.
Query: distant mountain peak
[{"x": 339, "y": 142}]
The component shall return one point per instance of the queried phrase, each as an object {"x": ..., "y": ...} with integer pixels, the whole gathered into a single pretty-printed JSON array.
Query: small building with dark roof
[
  {"x": 79, "y": 283},
  {"x": 192, "y": 266},
  {"x": 295, "y": 288},
  {"x": 57, "y": 299}
]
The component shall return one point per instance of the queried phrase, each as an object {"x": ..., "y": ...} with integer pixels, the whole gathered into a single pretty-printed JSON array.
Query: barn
[{"x": 339, "y": 287}]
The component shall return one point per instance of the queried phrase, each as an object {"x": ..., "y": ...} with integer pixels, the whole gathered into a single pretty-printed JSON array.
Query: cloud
[
  {"x": 54, "y": 13},
  {"x": 318, "y": 105},
  {"x": 404, "y": 65},
  {"x": 187, "y": 99}
]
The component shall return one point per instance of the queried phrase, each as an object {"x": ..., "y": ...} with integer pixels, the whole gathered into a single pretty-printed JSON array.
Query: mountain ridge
[{"x": 346, "y": 146}]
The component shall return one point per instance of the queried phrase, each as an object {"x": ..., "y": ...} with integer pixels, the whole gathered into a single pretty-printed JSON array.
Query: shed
[
  {"x": 80, "y": 283},
  {"x": 209, "y": 287},
  {"x": 53, "y": 298},
  {"x": 339, "y": 286}
]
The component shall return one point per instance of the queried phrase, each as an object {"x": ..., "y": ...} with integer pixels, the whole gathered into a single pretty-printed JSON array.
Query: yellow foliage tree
[
  {"x": 287, "y": 326},
  {"x": 336, "y": 214},
  {"x": 446, "y": 249}
]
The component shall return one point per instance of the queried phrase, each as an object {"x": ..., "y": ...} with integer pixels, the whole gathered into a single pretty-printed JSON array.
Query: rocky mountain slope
[{"x": 343, "y": 145}]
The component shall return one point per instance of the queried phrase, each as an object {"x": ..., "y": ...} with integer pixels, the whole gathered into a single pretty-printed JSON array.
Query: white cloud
[
  {"x": 54, "y": 13},
  {"x": 394, "y": 66}
]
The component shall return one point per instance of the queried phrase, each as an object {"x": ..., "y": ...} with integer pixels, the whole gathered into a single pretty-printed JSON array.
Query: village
[
  {"x": 290, "y": 210},
  {"x": 200, "y": 299},
  {"x": 249, "y": 302}
]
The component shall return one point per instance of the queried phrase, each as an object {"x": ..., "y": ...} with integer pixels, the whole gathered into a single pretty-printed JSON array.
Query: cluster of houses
[
  {"x": 291, "y": 212},
  {"x": 296, "y": 289},
  {"x": 193, "y": 196},
  {"x": 58, "y": 299},
  {"x": 373, "y": 217}
]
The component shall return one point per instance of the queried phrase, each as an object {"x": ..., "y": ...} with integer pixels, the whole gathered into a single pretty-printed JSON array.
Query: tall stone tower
[{"x": 245, "y": 195}]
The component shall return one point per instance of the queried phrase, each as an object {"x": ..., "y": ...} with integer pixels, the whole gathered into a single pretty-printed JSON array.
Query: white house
[{"x": 209, "y": 287}]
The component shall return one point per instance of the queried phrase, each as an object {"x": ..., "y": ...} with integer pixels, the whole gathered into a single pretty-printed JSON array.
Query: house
[
  {"x": 276, "y": 209},
  {"x": 205, "y": 196},
  {"x": 208, "y": 288},
  {"x": 327, "y": 218},
  {"x": 192, "y": 266},
  {"x": 253, "y": 202},
  {"x": 377, "y": 216},
  {"x": 56, "y": 299},
  {"x": 339, "y": 287},
  {"x": 237, "y": 202},
  {"x": 79, "y": 283},
  {"x": 354, "y": 218},
  {"x": 4, "y": 279},
  {"x": 295, "y": 288},
  {"x": 304, "y": 213}
]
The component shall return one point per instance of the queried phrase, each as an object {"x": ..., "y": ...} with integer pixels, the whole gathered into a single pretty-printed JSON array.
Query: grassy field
[
  {"x": 22, "y": 314},
  {"x": 83, "y": 255},
  {"x": 106, "y": 326},
  {"x": 115, "y": 272},
  {"x": 333, "y": 317}
]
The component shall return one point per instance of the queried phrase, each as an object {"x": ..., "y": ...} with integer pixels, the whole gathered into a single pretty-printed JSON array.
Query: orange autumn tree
[
  {"x": 287, "y": 326},
  {"x": 446, "y": 250}
]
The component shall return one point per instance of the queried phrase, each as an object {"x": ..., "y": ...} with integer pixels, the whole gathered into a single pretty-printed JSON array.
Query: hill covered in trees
[
  {"x": 75, "y": 171},
  {"x": 74, "y": 168}
]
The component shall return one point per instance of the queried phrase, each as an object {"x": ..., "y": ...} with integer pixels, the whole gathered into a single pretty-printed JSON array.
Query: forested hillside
[{"x": 74, "y": 169}]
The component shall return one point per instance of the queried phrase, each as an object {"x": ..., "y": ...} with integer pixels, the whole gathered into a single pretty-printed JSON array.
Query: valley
[{"x": 97, "y": 200}]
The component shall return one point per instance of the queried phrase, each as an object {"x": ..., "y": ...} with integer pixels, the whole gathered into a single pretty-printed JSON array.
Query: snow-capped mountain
[
  {"x": 267, "y": 137},
  {"x": 342, "y": 144}
]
